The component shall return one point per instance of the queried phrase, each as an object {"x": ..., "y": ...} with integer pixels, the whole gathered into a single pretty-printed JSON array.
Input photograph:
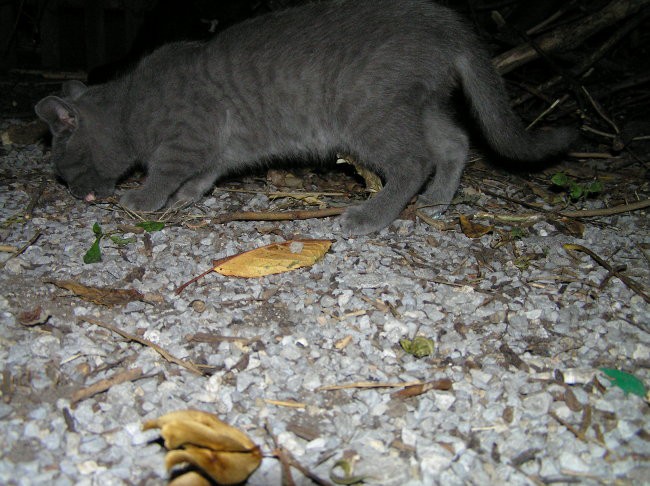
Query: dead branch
[
  {"x": 589, "y": 61},
  {"x": 277, "y": 215},
  {"x": 569, "y": 35}
]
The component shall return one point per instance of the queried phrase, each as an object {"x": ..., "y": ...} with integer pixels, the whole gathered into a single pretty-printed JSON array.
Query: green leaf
[
  {"x": 517, "y": 233},
  {"x": 118, "y": 240},
  {"x": 94, "y": 254},
  {"x": 560, "y": 179},
  {"x": 625, "y": 381},
  {"x": 348, "y": 478},
  {"x": 419, "y": 347},
  {"x": 595, "y": 187},
  {"x": 151, "y": 226},
  {"x": 576, "y": 191},
  {"x": 97, "y": 230},
  {"x": 522, "y": 263}
]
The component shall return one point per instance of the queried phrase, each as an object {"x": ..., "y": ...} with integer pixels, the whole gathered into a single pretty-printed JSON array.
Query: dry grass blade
[
  {"x": 169, "y": 357},
  {"x": 104, "y": 385},
  {"x": 633, "y": 285}
]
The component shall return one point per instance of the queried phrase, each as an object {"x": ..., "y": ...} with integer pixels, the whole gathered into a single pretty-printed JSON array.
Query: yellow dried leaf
[
  {"x": 222, "y": 452},
  {"x": 474, "y": 230},
  {"x": 372, "y": 180},
  {"x": 206, "y": 430},
  {"x": 274, "y": 258},
  {"x": 223, "y": 467},
  {"x": 191, "y": 478}
]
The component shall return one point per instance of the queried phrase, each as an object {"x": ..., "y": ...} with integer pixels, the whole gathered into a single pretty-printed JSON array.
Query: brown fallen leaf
[
  {"x": 105, "y": 296},
  {"x": 33, "y": 317},
  {"x": 570, "y": 227},
  {"x": 474, "y": 230},
  {"x": 415, "y": 390},
  {"x": 222, "y": 452}
]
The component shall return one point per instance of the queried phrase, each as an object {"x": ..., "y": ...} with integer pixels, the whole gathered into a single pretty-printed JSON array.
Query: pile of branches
[{"x": 580, "y": 58}]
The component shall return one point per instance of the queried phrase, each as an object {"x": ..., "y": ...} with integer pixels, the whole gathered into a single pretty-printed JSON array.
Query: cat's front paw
[
  {"x": 358, "y": 221},
  {"x": 140, "y": 200}
]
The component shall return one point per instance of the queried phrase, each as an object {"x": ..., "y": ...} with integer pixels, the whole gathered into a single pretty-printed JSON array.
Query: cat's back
[{"x": 349, "y": 22}]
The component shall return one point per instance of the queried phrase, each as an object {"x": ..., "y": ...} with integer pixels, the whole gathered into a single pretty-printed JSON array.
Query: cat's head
[{"x": 80, "y": 150}]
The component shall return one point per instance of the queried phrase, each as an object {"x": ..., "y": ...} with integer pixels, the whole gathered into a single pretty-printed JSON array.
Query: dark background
[{"x": 86, "y": 34}]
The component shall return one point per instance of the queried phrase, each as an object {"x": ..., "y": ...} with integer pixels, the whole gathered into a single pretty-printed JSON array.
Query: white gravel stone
[{"x": 281, "y": 337}]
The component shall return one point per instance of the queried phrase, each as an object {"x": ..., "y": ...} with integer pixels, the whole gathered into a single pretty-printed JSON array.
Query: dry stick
[
  {"x": 103, "y": 385},
  {"x": 569, "y": 35},
  {"x": 587, "y": 213},
  {"x": 369, "y": 384},
  {"x": 634, "y": 286},
  {"x": 591, "y": 213},
  {"x": 285, "y": 403},
  {"x": 22, "y": 249},
  {"x": 172, "y": 359},
  {"x": 287, "y": 461},
  {"x": 592, "y": 155},
  {"x": 29, "y": 210},
  {"x": 599, "y": 110},
  {"x": 544, "y": 55},
  {"x": 629, "y": 82},
  {"x": 277, "y": 215},
  {"x": 548, "y": 110}
]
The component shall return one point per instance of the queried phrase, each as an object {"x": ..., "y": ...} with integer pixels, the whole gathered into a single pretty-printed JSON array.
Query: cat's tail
[{"x": 501, "y": 127}]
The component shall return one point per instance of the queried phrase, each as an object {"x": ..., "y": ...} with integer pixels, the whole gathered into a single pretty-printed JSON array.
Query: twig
[
  {"x": 285, "y": 403},
  {"x": 369, "y": 384},
  {"x": 7, "y": 385},
  {"x": 22, "y": 249},
  {"x": 169, "y": 357},
  {"x": 592, "y": 155},
  {"x": 287, "y": 461},
  {"x": 631, "y": 284},
  {"x": 600, "y": 111},
  {"x": 103, "y": 385},
  {"x": 543, "y": 115},
  {"x": 278, "y": 194},
  {"x": 590, "y": 213},
  {"x": 29, "y": 210},
  {"x": 277, "y": 215},
  {"x": 594, "y": 57},
  {"x": 585, "y": 213}
]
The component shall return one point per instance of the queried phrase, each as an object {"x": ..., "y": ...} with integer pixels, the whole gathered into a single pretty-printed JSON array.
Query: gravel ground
[{"x": 519, "y": 327}]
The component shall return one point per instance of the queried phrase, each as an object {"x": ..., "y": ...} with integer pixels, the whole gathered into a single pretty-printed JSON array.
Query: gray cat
[{"x": 370, "y": 78}]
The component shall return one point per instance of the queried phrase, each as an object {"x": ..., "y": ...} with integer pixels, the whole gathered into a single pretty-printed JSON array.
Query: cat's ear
[
  {"x": 73, "y": 89},
  {"x": 59, "y": 115}
]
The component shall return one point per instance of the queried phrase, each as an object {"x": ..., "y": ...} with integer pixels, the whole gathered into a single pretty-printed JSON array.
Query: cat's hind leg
[
  {"x": 448, "y": 145},
  {"x": 401, "y": 183},
  {"x": 398, "y": 153}
]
